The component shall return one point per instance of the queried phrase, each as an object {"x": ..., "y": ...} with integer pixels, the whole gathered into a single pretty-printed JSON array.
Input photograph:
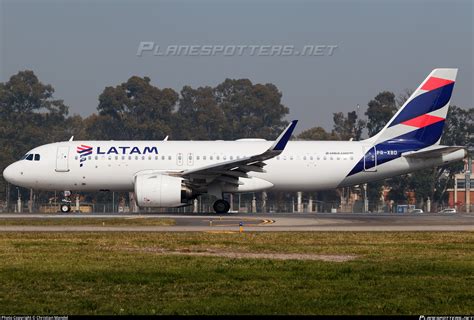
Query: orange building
[{"x": 457, "y": 195}]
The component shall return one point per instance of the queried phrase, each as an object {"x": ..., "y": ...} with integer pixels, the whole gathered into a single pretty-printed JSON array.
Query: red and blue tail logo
[{"x": 418, "y": 124}]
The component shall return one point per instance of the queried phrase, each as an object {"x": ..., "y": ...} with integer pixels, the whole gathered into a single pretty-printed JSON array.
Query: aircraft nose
[
  {"x": 11, "y": 173},
  {"x": 8, "y": 173}
]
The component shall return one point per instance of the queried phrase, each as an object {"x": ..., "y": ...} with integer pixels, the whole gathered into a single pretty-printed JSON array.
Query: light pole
[
  {"x": 18, "y": 201},
  {"x": 366, "y": 201}
]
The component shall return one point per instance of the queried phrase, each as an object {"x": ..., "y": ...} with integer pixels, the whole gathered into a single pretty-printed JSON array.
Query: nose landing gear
[{"x": 65, "y": 205}]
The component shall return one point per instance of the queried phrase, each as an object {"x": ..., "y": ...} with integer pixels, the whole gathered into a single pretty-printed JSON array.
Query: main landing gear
[{"x": 221, "y": 206}]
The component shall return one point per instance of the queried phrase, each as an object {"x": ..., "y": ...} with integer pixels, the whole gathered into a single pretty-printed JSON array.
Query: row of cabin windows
[
  {"x": 190, "y": 157},
  {"x": 31, "y": 157}
]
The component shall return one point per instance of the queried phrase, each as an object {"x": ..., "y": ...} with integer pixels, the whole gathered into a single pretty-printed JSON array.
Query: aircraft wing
[
  {"x": 433, "y": 152},
  {"x": 231, "y": 171}
]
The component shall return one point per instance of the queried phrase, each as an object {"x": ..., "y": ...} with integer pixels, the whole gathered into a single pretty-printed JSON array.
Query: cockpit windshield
[{"x": 31, "y": 157}]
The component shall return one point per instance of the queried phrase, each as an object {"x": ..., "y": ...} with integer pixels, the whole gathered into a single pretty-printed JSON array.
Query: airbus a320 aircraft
[{"x": 172, "y": 173}]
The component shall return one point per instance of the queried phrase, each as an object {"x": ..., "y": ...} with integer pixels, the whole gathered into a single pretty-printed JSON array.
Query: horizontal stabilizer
[{"x": 433, "y": 152}]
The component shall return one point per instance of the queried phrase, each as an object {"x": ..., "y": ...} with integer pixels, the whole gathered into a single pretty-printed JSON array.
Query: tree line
[{"x": 30, "y": 115}]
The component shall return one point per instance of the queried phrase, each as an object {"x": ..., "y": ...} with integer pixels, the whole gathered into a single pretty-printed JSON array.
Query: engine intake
[{"x": 159, "y": 190}]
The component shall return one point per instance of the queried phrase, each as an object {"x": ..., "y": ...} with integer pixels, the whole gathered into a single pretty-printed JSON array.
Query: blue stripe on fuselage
[{"x": 393, "y": 148}]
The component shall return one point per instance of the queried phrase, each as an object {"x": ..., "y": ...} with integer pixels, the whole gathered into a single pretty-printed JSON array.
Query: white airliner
[{"x": 172, "y": 173}]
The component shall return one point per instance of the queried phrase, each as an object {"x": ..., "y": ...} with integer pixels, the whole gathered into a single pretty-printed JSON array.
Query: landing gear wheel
[
  {"x": 221, "y": 206},
  {"x": 65, "y": 208}
]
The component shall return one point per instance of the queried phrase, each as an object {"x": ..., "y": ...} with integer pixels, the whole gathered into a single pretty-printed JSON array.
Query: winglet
[{"x": 281, "y": 141}]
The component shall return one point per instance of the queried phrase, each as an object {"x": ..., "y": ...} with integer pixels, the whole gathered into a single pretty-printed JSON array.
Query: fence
[{"x": 204, "y": 205}]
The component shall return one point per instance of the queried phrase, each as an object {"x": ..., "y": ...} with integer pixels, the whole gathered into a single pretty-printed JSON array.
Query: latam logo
[
  {"x": 83, "y": 152},
  {"x": 127, "y": 150}
]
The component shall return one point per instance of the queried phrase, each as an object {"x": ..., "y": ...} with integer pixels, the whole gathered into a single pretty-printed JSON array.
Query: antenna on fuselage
[
  {"x": 166, "y": 138},
  {"x": 71, "y": 139}
]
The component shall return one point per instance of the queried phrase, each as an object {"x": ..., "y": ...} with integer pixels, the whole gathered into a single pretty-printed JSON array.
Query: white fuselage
[{"x": 112, "y": 165}]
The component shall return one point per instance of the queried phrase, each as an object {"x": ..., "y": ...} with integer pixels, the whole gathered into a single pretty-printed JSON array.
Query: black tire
[
  {"x": 65, "y": 208},
  {"x": 221, "y": 206}
]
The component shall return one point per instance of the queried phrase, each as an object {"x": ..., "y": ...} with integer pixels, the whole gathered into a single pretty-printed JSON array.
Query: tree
[
  {"x": 29, "y": 116},
  {"x": 380, "y": 110},
  {"x": 458, "y": 130},
  {"x": 347, "y": 127},
  {"x": 137, "y": 110},
  {"x": 374, "y": 190},
  {"x": 199, "y": 117},
  {"x": 317, "y": 133},
  {"x": 398, "y": 188},
  {"x": 250, "y": 110}
]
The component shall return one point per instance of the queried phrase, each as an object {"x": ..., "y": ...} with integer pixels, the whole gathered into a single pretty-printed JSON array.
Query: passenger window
[
  {"x": 210, "y": 157},
  {"x": 162, "y": 157},
  {"x": 37, "y": 157},
  {"x": 217, "y": 157},
  {"x": 203, "y": 157},
  {"x": 197, "y": 157},
  {"x": 304, "y": 157},
  {"x": 231, "y": 158},
  {"x": 169, "y": 157},
  {"x": 29, "y": 157}
]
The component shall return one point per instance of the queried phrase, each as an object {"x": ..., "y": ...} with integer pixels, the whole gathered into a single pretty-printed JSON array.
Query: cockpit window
[
  {"x": 37, "y": 157},
  {"x": 29, "y": 157}
]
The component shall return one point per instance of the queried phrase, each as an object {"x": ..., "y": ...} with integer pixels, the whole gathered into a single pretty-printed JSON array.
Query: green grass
[
  {"x": 108, "y": 273},
  {"x": 116, "y": 222}
]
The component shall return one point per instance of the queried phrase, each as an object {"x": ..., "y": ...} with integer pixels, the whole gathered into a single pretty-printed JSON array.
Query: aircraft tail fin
[{"x": 421, "y": 118}]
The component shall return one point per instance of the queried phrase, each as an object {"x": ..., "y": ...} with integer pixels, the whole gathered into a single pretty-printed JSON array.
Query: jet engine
[{"x": 159, "y": 190}]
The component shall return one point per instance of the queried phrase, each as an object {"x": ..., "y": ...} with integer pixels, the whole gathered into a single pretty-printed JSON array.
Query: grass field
[
  {"x": 116, "y": 222},
  {"x": 140, "y": 273}
]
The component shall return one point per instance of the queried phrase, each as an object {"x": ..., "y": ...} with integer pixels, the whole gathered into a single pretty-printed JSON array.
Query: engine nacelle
[{"x": 159, "y": 190}]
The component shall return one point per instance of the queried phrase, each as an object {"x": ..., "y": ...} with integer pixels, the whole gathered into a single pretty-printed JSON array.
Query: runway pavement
[{"x": 257, "y": 222}]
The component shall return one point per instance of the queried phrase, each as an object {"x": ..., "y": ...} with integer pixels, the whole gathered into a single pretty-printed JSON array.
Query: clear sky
[{"x": 80, "y": 47}]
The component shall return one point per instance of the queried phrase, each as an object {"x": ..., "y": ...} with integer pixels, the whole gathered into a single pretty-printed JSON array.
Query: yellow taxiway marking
[
  {"x": 220, "y": 231},
  {"x": 233, "y": 223}
]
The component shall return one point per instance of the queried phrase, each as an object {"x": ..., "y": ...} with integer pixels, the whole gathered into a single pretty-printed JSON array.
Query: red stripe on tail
[
  {"x": 422, "y": 121},
  {"x": 434, "y": 83}
]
